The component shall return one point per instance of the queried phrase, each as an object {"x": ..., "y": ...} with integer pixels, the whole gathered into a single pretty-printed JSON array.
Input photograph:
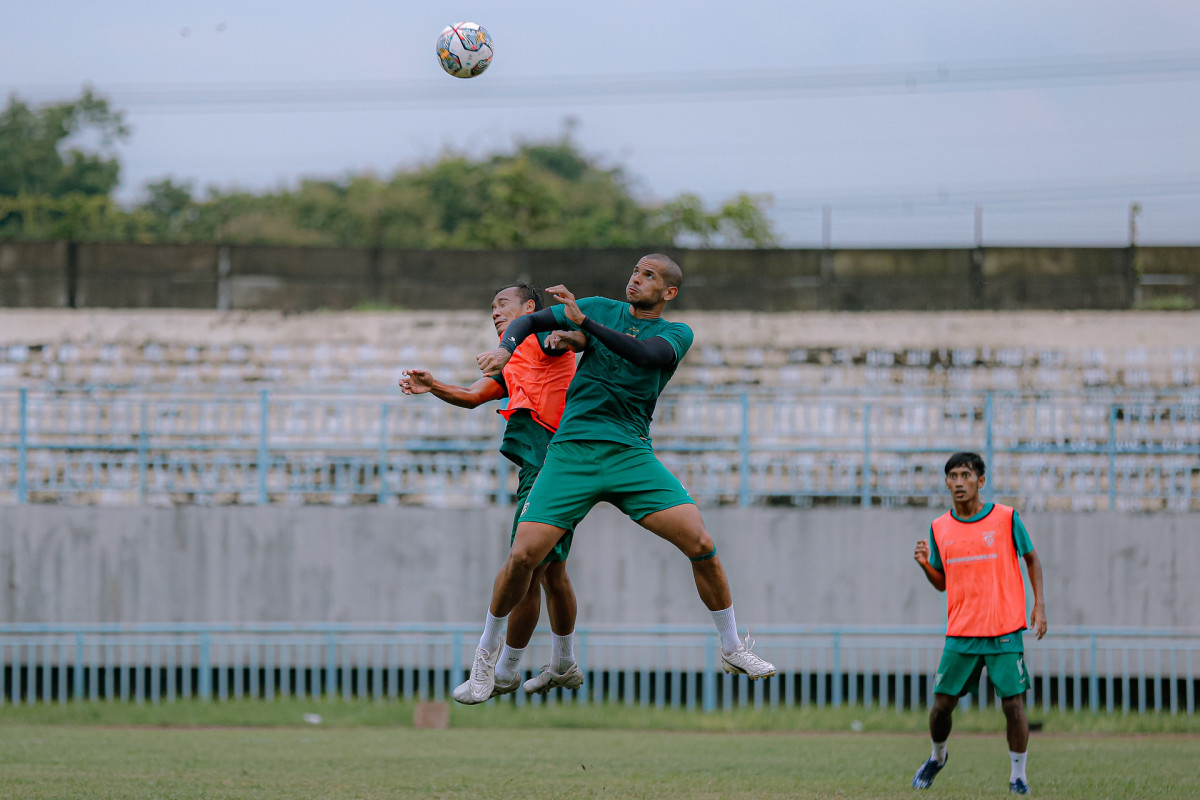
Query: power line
[
  {"x": 529, "y": 91},
  {"x": 1019, "y": 195}
]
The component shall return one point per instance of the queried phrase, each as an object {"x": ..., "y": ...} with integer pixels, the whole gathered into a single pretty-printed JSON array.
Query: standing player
[
  {"x": 602, "y": 452},
  {"x": 535, "y": 382},
  {"x": 973, "y": 555}
]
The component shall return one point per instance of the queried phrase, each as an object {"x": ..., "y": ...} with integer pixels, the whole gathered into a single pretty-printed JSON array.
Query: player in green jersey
[
  {"x": 530, "y": 420},
  {"x": 602, "y": 452}
]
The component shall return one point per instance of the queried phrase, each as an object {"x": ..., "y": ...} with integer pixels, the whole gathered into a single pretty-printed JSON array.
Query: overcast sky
[{"x": 894, "y": 166}]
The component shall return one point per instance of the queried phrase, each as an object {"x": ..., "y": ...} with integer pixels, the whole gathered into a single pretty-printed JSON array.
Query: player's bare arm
[
  {"x": 921, "y": 556},
  {"x": 421, "y": 381},
  {"x": 1038, "y": 617}
]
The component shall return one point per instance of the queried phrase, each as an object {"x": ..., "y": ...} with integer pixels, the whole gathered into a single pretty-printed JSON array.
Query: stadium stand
[{"x": 1088, "y": 409}]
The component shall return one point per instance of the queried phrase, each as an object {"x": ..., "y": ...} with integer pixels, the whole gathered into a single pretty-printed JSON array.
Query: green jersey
[
  {"x": 611, "y": 399},
  {"x": 982, "y": 645}
]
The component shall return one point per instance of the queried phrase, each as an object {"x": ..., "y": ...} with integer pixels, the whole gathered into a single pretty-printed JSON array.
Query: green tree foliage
[
  {"x": 40, "y": 152},
  {"x": 542, "y": 195}
]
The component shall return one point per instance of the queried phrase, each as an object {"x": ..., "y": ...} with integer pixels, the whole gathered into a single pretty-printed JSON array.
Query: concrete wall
[
  {"x": 247, "y": 277},
  {"x": 837, "y": 566}
]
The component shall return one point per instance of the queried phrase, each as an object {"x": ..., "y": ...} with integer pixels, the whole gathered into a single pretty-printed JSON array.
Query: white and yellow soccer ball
[{"x": 464, "y": 49}]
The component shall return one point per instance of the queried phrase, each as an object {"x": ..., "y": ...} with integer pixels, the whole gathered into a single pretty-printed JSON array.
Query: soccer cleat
[
  {"x": 1019, "y": 786},
  {"x": 548, "y": 680},
  {"x": 462, "y": 692},
  {"x": 743, "y": 662},
  {"x": 478, "y": 688},
  {"x": 928, "y": 771}
]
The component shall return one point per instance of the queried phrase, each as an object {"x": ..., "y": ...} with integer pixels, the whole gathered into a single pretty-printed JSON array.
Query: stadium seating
[
  {"x": 1087, "y": 411},
  {"x": 791, "y": 352}
]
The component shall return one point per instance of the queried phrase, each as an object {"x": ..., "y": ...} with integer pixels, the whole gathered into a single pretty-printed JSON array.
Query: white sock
[
  {"x": 727, "y": 627},
  {"x": 562, "y": 652},
  {"x": 1018, "y": 765},
  {"x": 493, "y": 627},
  {"x": 939, "y": 752},
  {"x": 509, "y": 663}
]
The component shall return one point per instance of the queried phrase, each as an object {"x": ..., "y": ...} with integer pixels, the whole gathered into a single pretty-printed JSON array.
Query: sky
[{"x": 841, "y": 115}]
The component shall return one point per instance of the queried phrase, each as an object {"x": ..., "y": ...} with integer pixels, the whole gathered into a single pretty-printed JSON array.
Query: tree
[
  {"x": 543, "y": 195},
  {"x": 41, "y": 152}
]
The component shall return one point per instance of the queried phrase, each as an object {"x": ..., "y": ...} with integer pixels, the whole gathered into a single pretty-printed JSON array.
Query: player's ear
[
  {"x": 982, "y": 480},
  {"x": 670, "y": 292}
]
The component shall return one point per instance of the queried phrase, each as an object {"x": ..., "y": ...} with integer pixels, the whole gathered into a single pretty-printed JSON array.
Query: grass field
[{"x": 367, "y": 750}]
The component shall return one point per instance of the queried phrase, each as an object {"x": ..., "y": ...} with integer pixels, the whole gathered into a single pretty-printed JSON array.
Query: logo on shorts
[
  {"x": 937, "y": 679},
  {"x": 524, "y": 508}
]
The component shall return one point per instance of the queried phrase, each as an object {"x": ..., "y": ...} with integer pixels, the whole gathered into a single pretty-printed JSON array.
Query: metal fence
[
  {"x": 1077, "y": 451},
  {"x": 1094, "y": 669}
]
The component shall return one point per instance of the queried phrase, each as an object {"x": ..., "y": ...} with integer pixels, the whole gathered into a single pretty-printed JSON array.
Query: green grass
[{"x": 254, "y": 749}]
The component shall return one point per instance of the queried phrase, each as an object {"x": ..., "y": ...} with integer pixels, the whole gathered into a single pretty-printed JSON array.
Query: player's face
[
  {"x": 963, "y": 484},
  {"x": 507, "y": 306},
  {"x": 647, "y": 286}
]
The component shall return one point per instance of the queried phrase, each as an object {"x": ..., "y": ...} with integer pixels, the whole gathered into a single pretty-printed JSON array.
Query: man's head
[
  {"x": 965, "y": 477},
  {"x": 514, "y": 301},
  {"x": 655, "y": 281}
]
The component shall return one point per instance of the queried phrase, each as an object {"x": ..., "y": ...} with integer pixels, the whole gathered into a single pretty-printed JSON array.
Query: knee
[
  {"x": 943, "y": 704},
  {"x": 1013, "y": 706},
  {"x": 521, "y": 558},
  {"x": 555, "y": 578},
  {"x": 701, "y": 547}
]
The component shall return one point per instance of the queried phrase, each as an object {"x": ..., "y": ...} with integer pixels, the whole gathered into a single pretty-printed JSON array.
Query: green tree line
[{"x": 59, "y": 171}]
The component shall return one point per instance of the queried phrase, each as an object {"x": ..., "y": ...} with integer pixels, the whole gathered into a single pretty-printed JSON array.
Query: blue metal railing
[
  {"x": 1097, "y": 669},
  {"x": 170, "y": 445}
]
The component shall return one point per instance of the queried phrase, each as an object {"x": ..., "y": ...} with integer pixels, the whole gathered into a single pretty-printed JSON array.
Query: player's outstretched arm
[
  {"x": 655, "y": 352},
  {"x": 421, "y": 381},
  {"x": 1038, "y": 620},
  {"x": 935, "y": 576}
]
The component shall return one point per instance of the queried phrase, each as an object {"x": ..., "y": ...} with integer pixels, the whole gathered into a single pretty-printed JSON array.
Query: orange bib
[
  {"x": 985, "y": 594},
  {"x": 538, "y": 382}
]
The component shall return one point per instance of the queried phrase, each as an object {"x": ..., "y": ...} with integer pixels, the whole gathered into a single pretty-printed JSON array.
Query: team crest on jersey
[{"x": 988, "y": 536}]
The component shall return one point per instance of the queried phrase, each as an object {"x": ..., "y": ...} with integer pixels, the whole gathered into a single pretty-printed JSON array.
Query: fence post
[
  {"x": 1112, "y": 457},
  {"x": 330, "y": 664},
  {"x": 837, "y": 669},
  {"x": 744, "y": 445},
  {"x": 204, "y": 679},
  {"x": 865, "y": 489},
  {"x": 263, "y": 452},
  {"x": 383, "y": 449},
  {"x": 78, "y": 693},
  {"x": 143, "y": 444},
  {"x": 1093, "y": 676},
  {"x": 710, "y": 673},
  {"x": 989, "y": 446},
  {"x": 23, "y": 450}
]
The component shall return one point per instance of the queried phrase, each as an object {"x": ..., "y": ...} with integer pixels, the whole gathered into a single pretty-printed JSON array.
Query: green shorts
[
  {"x": 958, "y": 673},
  {"x": 525, "y": 480},
  {"x": 579, "y": 474}
]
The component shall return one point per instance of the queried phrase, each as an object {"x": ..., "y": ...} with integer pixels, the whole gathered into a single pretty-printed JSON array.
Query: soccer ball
[{"x": 464, "y": 49}]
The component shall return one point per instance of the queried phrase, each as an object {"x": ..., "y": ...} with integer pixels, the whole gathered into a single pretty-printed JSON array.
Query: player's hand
[
  {"x": 1038, "y": 624},
  {"x": 564, "y": 296},
  {"x": 575, "y": 341},
  {"x": 416, "y": 381},
  {"x": 492, "y": 362},
  {"x": 921, "y": 554}
]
